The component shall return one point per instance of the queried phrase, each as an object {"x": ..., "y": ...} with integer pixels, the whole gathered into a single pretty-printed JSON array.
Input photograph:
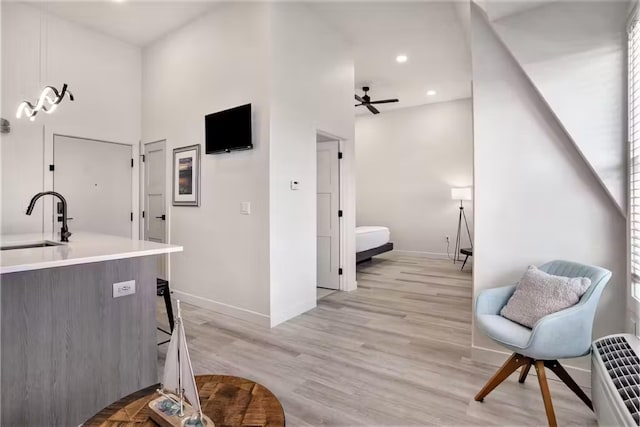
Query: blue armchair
[{"x": 560, "y": 335}]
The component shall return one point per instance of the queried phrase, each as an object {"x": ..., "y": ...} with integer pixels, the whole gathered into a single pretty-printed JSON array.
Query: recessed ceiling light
[
  {"x": 401, "y": 58},
  {"x": 431, "y": 92}
]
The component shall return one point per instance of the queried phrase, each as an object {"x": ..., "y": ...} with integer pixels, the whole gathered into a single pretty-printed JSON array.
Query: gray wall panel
[{"x": 68, "y": 348}]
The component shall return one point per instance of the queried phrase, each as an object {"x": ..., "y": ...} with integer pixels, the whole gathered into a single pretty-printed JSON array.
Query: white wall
[
  {"x": 102, "y": 73},
  {"x": 407, "y": 162},
  {"x": 577, "y": 60},
  {"x": 299, "y": 78},
  {"x": 535, "y": 197},
  {"x": 313, "y": 78},
  {"x": 219, "y": 61}
]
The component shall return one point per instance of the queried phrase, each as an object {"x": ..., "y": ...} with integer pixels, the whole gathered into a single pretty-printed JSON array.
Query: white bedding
[{"x": 370, "y": 237}]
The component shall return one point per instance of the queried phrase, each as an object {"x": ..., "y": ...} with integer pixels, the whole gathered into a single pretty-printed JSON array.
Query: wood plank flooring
[
  {"x": 323, "y": 292},
  {"x": 395, "y": 352}
]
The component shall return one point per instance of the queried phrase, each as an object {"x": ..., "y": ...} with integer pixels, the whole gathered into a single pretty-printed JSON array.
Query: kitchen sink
[{"x": 43, "y": 244}]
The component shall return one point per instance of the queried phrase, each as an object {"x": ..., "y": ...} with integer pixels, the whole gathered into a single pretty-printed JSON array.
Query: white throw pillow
[{"x": 539, "y": 294}]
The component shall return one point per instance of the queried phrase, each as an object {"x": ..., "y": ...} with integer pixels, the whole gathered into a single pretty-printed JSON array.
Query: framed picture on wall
[{"x": 186, "y": 176}]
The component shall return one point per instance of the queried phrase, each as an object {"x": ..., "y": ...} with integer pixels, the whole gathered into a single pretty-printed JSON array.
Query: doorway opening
[{"x": 328, "y": 214}]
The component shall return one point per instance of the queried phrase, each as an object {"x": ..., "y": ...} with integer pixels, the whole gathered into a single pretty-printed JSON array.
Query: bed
[{"x": 372, "y": 241}]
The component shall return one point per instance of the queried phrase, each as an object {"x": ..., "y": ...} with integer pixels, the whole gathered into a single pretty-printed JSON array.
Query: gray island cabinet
[{"x": 78, "y": 325}]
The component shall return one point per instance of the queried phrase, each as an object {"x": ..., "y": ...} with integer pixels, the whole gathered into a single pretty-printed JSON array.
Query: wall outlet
[
  {"x": 245, "y": 208},
  {"x": 121, "y": 289}
]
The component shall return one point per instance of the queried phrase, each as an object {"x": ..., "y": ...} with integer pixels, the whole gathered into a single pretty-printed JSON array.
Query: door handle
[
  {"x": 60, "y": 219},
  {"x": 163, "y": 217}
]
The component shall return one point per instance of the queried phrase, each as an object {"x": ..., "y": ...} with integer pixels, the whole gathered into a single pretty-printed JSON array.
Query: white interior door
[
  {"x": 154, "y": 198},
  {"x": 328, "y": 205},
  {"x": 96, "y": 178}
]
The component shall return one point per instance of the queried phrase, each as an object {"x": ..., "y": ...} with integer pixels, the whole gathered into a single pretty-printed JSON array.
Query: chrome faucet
[{"x": 64, "y": 231}]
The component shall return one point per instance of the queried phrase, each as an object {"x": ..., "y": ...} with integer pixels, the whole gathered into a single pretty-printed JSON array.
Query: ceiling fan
[{"x": 367, "y": 102}]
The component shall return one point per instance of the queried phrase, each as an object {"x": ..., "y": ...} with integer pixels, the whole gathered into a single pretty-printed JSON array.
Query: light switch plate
[
  {"x": 121, "y": 289},
  {"x": 295, "y": 184},
  {"x": 245, "y": 208}
]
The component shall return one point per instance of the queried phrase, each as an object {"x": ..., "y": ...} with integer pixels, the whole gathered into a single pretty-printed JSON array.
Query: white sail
[
  {"x": 178, "y": 372},
  {"x": 188, "y": 380},
  {"x": 179, "y": 384},
  {"x": 170, "y": 376}
]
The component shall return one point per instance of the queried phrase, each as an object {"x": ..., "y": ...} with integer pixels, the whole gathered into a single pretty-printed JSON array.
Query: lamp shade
[{"x": 461, "y": 193}]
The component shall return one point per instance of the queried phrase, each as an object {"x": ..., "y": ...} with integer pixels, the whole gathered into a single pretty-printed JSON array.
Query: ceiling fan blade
[
  {"x": 358, "y": 105},
  {"x": 374, "y": 110},
  {"x": 384, "y": 101},
  {"x": 359, "y": 98}
]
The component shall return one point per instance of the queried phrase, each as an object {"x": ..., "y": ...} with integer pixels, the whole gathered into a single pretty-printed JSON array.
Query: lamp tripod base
[{"x": 461, "y": 216}]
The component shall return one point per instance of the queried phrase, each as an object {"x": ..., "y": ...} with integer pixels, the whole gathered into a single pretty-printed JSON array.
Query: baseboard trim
[
  {"x": 226, "y": 309},
  {"x": 496, "y": 358},
  {"x": 293, "y": 311},
  {"x": 421, "y": 254}
]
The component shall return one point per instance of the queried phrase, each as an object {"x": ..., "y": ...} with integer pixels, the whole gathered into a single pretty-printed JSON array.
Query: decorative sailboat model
[{"x": 178, "y": 404}]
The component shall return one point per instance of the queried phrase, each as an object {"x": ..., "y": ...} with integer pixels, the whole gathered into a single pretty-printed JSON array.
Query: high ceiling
[
  {"x": 134, "y": 22},
  {"x": 429, "y": 33},
  {"x": 498, "y": 9}
]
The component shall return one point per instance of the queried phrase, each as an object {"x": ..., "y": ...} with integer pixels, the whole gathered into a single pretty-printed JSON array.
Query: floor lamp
[{"x": 461, "y": 193}]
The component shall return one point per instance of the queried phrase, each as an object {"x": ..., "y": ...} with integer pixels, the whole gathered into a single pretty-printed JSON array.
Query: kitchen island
[{"x": 78, "y": 324}]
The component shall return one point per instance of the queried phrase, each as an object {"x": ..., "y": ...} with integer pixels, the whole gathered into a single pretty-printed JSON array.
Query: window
[{"x": 634, "y": 152}]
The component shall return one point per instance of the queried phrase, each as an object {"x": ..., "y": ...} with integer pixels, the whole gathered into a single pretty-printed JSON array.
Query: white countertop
[{"x": 83, "y": 248}]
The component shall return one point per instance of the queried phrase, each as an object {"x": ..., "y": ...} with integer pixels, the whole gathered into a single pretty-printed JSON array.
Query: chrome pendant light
[
  {"x": 49, "y": 97},
  {"x": 47, "y": 101}
]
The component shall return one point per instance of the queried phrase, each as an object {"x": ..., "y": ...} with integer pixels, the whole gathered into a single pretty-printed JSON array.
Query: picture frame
[{"x": 186, "y": 176}]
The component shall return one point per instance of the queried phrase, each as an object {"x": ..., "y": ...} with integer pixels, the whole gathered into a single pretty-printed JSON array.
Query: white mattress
[{"x": 370, "y": 237}]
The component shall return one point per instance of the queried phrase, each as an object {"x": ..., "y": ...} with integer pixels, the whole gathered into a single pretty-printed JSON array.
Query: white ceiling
[
  {"x": 429, "y": 33},
  {"x": 498, "y": 9},
  {"x": 134, "y": 22}
]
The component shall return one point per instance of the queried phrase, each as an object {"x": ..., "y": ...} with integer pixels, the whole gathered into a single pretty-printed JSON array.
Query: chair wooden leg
[
  {"x": 557, "y": 369},
  {"x": 524, "y": 372},
  {"x": 509, "y": 367},
  {"x": 546, "y": 395}
]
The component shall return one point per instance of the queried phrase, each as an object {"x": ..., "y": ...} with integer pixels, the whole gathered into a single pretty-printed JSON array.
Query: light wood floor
[
  {"x": 394, "y": 353},
  {"x": 322, "y": 292}
]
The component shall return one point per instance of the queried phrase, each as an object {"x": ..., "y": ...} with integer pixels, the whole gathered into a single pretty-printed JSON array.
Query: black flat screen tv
[{"x": 228, "y": 130}]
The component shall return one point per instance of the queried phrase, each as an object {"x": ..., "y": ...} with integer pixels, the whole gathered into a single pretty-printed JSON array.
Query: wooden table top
[{"x": 227, "y": 400}]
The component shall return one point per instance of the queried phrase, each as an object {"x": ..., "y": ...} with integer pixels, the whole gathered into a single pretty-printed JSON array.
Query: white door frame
[
  {"x": 50, "y": 133},
  {"x": 343, "y": 256},
  {"x": 332, "y": 146},
  {"x": 143, "y": 183},
  {"x": 167, "y": 197}
]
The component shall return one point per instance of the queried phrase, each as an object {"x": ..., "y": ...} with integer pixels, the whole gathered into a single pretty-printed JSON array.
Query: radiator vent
[{"x": 623, "y": 366}]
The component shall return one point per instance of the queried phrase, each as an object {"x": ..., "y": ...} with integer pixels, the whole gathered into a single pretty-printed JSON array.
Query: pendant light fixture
[
  {"x": 47, "y": 102},
  {"x": 49, "y": 97}
]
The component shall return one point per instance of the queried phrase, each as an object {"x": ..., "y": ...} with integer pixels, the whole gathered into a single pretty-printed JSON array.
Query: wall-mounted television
[{"x": 228, "y": 130}]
